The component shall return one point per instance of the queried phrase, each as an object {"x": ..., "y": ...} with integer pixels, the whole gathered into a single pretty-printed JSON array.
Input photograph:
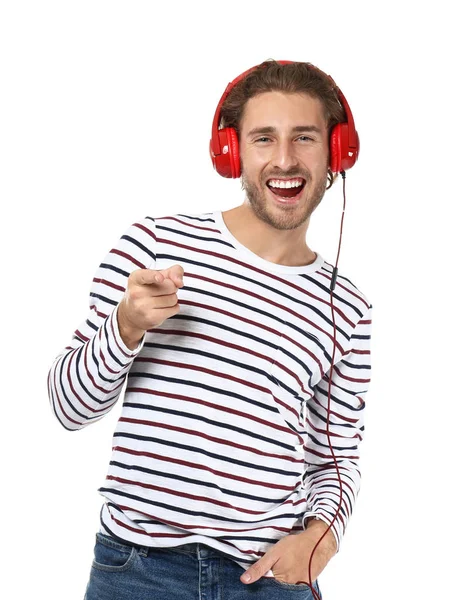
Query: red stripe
[
  {"x": 211, "y": 438},
  {"x": 342, "y": 376},
  {"x": 213, "y": 405},
  {"x": 146, "y": 230},
  {"x": 171, "y": 492},
  {"x": 132, "y": 259},
  {"x": 331, "y": 434},
  {"x": 223, "y": 529},
  {"x": 109, "y": 284},
  {"x": 193, "y": 465}
]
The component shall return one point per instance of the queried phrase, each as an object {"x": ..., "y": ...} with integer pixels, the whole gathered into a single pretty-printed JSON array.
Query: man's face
[{"x": 284, "y": 136}]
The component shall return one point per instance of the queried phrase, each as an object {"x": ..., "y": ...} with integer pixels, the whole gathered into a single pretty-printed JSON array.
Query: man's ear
[{"x": 331, "y": 178}]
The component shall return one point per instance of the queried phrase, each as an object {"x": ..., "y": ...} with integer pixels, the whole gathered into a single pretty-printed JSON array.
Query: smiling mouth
[{"x": 286, "y": 188}]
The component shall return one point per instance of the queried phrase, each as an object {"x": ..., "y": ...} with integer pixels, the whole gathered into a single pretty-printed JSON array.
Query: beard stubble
[{"x": 290, "y": 217}]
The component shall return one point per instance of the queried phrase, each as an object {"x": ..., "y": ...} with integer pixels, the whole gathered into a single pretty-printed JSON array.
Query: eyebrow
[{"x": 297, "y": 129}]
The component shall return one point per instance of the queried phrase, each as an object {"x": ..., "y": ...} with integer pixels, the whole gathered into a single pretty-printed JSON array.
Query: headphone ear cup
[
  {"x": 342, "y": 156},
  {"x": 335, "y": 149},
  {"x": 227, "y": 163},
  {"x": 234, "y": 152}
]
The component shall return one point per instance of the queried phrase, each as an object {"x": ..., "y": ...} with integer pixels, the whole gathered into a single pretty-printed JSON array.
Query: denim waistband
[{"x": 198, "y": 550}]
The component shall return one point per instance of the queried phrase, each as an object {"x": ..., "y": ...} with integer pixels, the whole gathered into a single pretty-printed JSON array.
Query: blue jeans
[{"x": 189, "y": 572}]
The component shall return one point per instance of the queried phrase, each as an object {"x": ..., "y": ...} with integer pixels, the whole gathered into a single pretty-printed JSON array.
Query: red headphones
[{"x": 344, "y": 144}]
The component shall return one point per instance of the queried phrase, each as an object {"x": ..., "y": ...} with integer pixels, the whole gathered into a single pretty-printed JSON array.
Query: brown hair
[{"x": 291, "y": 78}]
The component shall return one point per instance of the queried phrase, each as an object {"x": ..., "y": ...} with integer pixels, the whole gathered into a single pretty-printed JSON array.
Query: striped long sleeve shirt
[{"x": 222, "y": 437}]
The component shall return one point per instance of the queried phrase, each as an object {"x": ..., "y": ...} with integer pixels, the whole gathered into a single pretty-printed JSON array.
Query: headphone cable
[{"x": 332, "y": 287}]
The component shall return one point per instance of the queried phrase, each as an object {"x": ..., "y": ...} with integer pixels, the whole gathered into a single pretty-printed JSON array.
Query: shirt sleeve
[
  {"x": 86, "y": 378},
  {"x": 350, "y": 384}
]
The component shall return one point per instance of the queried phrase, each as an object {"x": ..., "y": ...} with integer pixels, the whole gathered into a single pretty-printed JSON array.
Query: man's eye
[{"x": 305, "y": 137}]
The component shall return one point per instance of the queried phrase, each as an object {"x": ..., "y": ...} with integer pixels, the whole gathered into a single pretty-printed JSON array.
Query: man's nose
[{"x": 284, "y": 155}]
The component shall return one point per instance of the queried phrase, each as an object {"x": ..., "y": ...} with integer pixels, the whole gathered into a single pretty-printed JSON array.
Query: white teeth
[{"x": 278, "y": 183}]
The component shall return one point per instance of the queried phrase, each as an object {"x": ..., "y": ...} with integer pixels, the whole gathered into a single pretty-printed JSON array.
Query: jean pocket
[
  {"x": 295, "y": 586},
  {"x": 112, "y": 556},
  {"x": 290, "y": 586}
]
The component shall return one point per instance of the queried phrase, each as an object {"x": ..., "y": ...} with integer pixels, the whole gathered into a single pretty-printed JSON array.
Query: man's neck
[{"x": 282, "y": 247}]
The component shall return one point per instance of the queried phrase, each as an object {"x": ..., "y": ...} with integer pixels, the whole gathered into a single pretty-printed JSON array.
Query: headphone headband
[{"x": 224, "y": 152}]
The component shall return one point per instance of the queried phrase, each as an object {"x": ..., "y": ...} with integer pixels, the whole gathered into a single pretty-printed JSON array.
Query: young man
[{"x": 221, "y": 323}]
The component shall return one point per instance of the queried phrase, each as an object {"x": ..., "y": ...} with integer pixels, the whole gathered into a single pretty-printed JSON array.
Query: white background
[{"x": 106, "y": 111}]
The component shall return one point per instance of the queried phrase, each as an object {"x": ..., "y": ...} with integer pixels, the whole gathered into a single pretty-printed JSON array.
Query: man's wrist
[
  {"x": 311, "y": 521},
  {"x": 315, "y": 523},
  {"x": 131, "y": 336}
]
